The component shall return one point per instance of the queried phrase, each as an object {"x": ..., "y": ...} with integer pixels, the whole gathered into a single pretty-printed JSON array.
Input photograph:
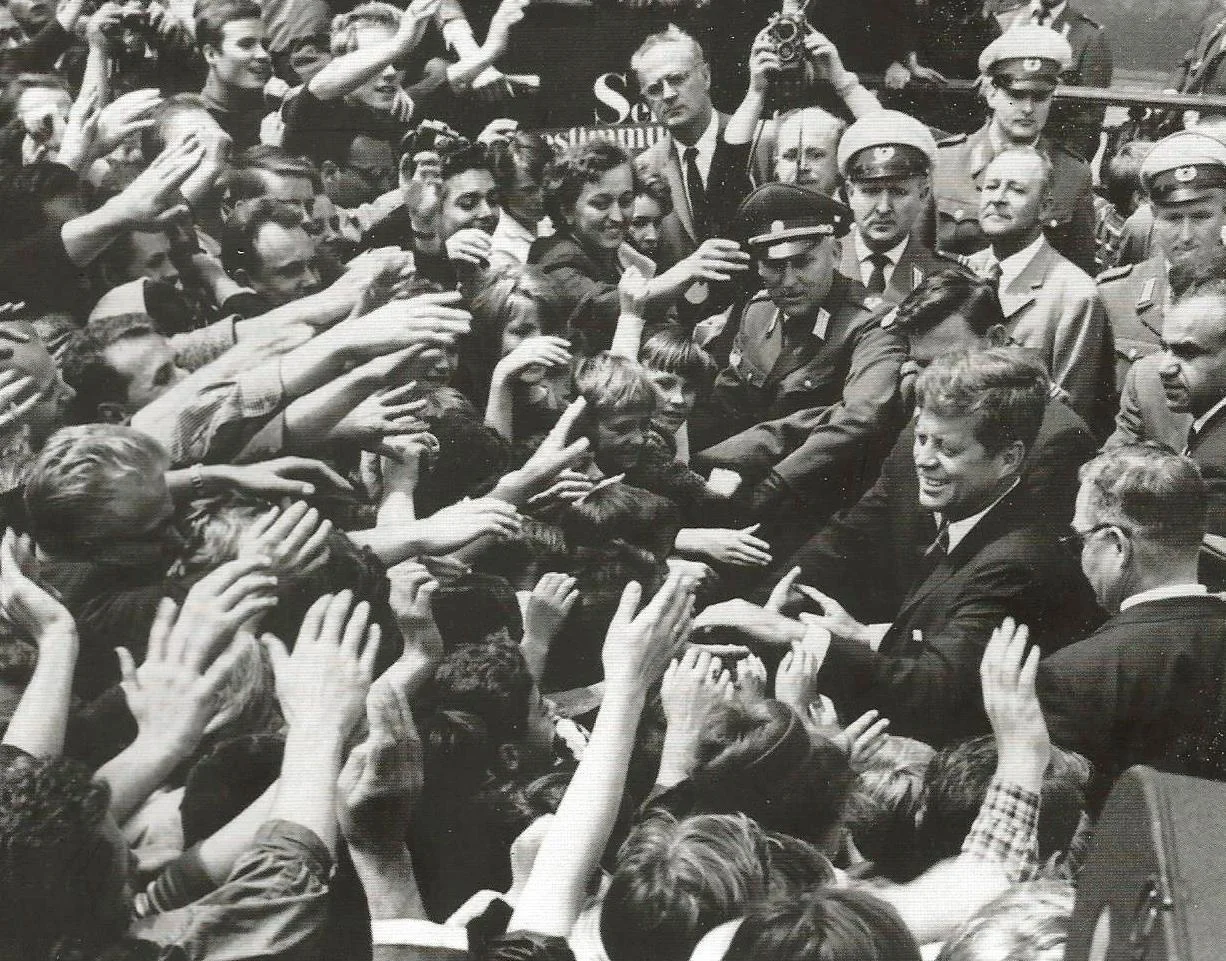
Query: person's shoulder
[
  {"x": 1065, "y": 159},
  {"x": 1078, "y": 19},
  {"x": 953, "y": 141},
  {"x": 1113, "y": 275}
]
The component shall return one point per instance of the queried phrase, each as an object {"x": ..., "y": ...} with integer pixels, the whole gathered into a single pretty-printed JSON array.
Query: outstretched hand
[{"x": 1008, "y": 672}]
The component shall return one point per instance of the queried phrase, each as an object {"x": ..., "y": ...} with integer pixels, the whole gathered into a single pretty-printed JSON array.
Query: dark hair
[
  {"x": 24, "y": 191},
  {"x": 523, "y": 946},
  {"x": 522, "y": 150},
  {"x": 672, "y": 350},
  {"x": 539, "y": 547},
  {"x": 956, "y": 784},
  {"x": 1121, "y": 175},
  {"x": 211, "y": 17},
  {"x": 55, "y": 868},
  {"x": 655, "y": 188},
  {"x": 945, "y": 293},
  {"x": 468, "y": 156},
  {"x": 1003, "y": 388},
  {"x": 475, "y": 606},
  {"x": 623, "y": 512},
  {"x": 243, "y": 181},
  {"x": 471, "y": 458},
  {"x": 576, "y": 167},
  {"x": 841, "y": 924},
  {"x": 243, "y": 226},
  {"x": 87, "y": 371},
  {"x": 225, "y": 780}
]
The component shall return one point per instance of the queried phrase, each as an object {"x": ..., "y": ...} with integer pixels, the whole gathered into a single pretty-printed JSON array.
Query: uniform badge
[
  {"x": 778, "y": 227},
  {"x": 1032, "y": 64},
  {"x": 883, "y": 154},
  {"x": 698, "y": 292},
  {"x": 1185, "y": 174}
]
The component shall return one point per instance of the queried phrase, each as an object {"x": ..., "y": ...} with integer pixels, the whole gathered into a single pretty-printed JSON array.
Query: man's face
[
  {"x": 676, "y": 87},
  {"x": 525, "y": 201},
  {"x": 242, "y": 60},
  {"x": 1104, "y": 554},
  {"x": 22, "y": 350},
  {"x": 285, "y": 262},
  {"x": 957, "y": 475},
  {"x": 524, "y": 323},
  {"x": 602, "y": 209},
  {"x": 297, "y": 192},
  {"x": 644, "y": 230},
  {"x": 150, "y": 257},
  {"x": 620, "y": 438},
  {"x": 1189, "y": 232},
  {"x": 798, "y": 285},
  {"x": 380, "y": 92},
  {"x": 469, "y": 199},
  {"x": 675, "y": 400},
  {"x": 806, "y": 151},
  {"x": 308, "y": 58},
  {"x": 1013, "y": 199},
  {"x": 328, "y": 231},
  {"x": 886, "y": 210},
  {"x": 1021, "y": 117},
  {"x": 44, "y": 112},
  {"x": 33, "y": 15},
  {"x": 147, "y": 364},
  {"x": 1193, "y": 369},
  {"x": 952, "y": 333}
]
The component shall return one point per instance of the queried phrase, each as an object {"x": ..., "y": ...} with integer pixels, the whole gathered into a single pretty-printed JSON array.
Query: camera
[{"x": 788, "y": 29}]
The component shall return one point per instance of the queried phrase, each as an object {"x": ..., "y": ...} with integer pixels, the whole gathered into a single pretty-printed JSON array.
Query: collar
[
  {"x": 1012, "y": 266},
  {"x": 704, "y": 144},
  {"x": 893, "y": 255},
  {"x": 1199, "y": 424},
  {"x": 512, "y": 229},
  {"x": 230, "y": 100},
  {"x": 959, "y": 529},
  {"x": 1164, "y": 593},
  {"x": 821, "y": 323},
  {"x": 1053, "y": 14}
]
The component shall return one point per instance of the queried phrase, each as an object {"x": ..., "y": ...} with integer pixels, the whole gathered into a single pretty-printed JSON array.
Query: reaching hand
[
  {"x": 637, "y": 648},
  {"x": 123, "y": 117},
  {"x": 411, "y": 598},
  {"x": 501, "y": 129},
  {"x": 751, "y": 679},
  {"x": 1008, "y": 673},
  {"x": 325, "y": 681},
  {"x": 548, "y": 606},
  {"x": 283, "y": 477},
  {"x": 460, "y": 524},
  {"x": 292, "y": 540},
  {"x": 715, "y": 260},
  {"x": 385, "y": 414},
  {"x": 552, "y": 457},
  {"x": 825, "y": 57},
  {"x": 381, "y": 781},
  {"x": 763, "y": 61},
  {"x": 155, "y": 199},
  {"x": 545, "y": 352},
  {"x": 26, "y": 605},
  {"x": 695, "y": 686},
  {"x": 471, "y": 245},
  {"x": 633, "y": 291},
  {"x": 796, "y": 679},
  {"x": 13, "y": 412},
  {"x": 758, "y": 624},
  {"x": 834, "y": 616},
  {"x": 508, "y": 14},
  {"x": 570, "y": 487},
  {"x": 782, "y": 592},
  {"x": 413, "y": 24},
  {"x": 863, "y": 739},
  {"x": 897, "y": 76},
  {"x": 736, "y": 547},
  {"x": 697, "y": 572}
]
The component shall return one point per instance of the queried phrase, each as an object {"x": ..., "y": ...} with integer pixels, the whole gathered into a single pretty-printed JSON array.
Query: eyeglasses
[
  {"x": 655, "y": 89},
  {"x": 1075, "y": 540}
]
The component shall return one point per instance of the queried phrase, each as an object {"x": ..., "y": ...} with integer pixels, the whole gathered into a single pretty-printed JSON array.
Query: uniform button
[{"x": 808, "y": 385}]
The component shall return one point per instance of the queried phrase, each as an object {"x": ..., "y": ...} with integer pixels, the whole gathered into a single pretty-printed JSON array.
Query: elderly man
[
  {"x": 1020, "y": 72},
  {"x": 944, "y": 545},
  {"x": 1049, "y": 304},
  {"x": 812, "y": 377},
  {"x": 1146, "y": 687},
  {"x": 886, "y": 159},
  {"x": 1185, "y": 178}
]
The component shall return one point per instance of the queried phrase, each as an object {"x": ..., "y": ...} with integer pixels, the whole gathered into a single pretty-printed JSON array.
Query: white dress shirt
[
  {"x": 1163, "y": 593},
  {"x": 705, "y": 147},
  {"x": 893, "y": 255},
  {"x": 959, "y": 529}
]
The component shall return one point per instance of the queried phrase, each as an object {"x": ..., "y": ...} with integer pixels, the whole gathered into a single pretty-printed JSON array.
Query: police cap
[
  {"x": 1026, "y": 58},
  {"x": 1183, "y": 167},
  {"x": 886, "y": 143}
]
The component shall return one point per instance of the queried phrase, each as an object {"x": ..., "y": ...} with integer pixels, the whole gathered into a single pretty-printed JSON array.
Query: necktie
[
  {"x": 1041, "y": 16},
  {"x": 940, "y": 545},
  {"x": 697, "y": 194},
  {"x": 876, "y": 279},
  {"x": 992, "y": 273}
]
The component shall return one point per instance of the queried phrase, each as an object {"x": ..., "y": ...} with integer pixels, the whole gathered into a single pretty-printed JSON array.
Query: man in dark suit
[
  {"x": 1146, "y": 687},
  {"x": 943, "y": 547},
  {"x": 886, "y": 159}
]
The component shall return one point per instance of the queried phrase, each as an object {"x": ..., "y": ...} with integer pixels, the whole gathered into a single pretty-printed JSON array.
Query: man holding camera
[{"x": 1020, "y": 71}]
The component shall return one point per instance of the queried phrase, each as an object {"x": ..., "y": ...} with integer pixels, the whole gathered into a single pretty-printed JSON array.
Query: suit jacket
[
  {"x": 727, "y": 185},
  {"x": 1135, "y": 298},
  {"x": 588, "y": 284},
  {"x": 1130, "y": 693},
  {"x": 1053, "y": 308},
  {"x": 957, "y": 179},
  {"x": 1143, "y": 413},
  {"x": 925, "y": 675},
  {"x": 1078, "y": 126},
  {"x": 918, "y": 261},
  {"x": 821, "y": 415}
]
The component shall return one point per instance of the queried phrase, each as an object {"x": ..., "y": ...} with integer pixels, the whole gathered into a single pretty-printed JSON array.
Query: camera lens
[
  {"x": 787, "y": 52},
  {"x": 784, "y": 31}
]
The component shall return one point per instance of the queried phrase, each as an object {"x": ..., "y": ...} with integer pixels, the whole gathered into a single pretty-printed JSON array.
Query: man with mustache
[
  {"x": 1185, "y": 177},
  {"x": 886, "y": 158}
]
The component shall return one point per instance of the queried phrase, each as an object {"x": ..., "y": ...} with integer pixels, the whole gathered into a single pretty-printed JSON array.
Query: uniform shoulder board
[
  {"x": 952, "y": 141},
  {"x": 1114, "y": 273},
  {"x": 1092, "y": 22}
]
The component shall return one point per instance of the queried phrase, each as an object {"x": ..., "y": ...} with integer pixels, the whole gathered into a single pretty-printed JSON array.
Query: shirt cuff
[
  {"x": 877, "y": 633},
  {"x": 817, "y": 642},
  {"x": 260, "y": 390},
  {"x": 1006, "y": 830}
]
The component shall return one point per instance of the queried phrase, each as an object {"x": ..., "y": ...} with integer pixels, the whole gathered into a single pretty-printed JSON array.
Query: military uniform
[
  {"x": 1204, "y": 68},
  {"x": 957, "y": 181},
  {"x": 1136, "y": 297}
]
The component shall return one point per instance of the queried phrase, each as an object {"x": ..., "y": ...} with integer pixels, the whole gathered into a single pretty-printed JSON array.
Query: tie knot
[
  {"x": 879, "y": 260},
  {"x": 691, "y": 153},
  {"x": 940, "y": 544}
]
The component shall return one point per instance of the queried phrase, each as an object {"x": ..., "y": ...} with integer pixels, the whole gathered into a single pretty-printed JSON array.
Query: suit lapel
[
  {"x": 1022, "y": 291},
  {"x": 907, "y": 274}
]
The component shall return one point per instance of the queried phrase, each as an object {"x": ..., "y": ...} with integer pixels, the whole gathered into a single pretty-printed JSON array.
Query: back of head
[
  {"x": 1029, "y": 922},
  {"x": 521, "y": 151},
  {"x": 153, "y": 137},
  {"x": 1149, "y": 490},
  {"x": 884, "y": 807},
  {"x": 1003, "y": 388},
  {"x": 833, "y": 925},
  {"x": 73, "y": 481},
  {"x": 1121, "y": 175},
  {"x": 242, "y": 229},
  {"x": 956, "y": 784},
  {"x": 623, "y": 512},
  {"x": 948, "y": 292},
  {"x": 677, "y": 879}
]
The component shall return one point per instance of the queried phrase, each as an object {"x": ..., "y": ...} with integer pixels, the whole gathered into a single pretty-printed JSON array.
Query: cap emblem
[
  {"x": 1185, "y": 174},
  {"x": 883, "y": 154},
  {"x": 1032, "y": 64},
  {"x": 778, "y": 226}
]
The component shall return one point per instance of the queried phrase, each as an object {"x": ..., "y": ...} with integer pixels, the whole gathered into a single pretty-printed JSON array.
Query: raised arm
[{"x": 345, "y": 74}]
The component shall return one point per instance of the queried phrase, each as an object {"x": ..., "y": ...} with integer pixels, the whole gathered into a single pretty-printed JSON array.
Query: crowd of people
[{"x": 421, "y": 541}]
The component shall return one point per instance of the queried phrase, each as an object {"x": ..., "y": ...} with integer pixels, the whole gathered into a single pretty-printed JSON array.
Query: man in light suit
[
  {"x": 1050, "y": 305},
  {"x": 706, "y": 175},
  {"x": 886, "y": 159}
]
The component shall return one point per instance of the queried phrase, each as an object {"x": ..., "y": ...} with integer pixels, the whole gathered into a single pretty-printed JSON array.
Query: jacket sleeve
[
  {"x": 1129, "y": 420},
  {"x": 1080, "y": 363}
]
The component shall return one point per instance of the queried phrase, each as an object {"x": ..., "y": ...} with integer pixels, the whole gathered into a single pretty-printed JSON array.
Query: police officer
[
  {"x": 886, "y": 160},
  {"x": 1185, "y": 177},
  {"x": 811, "y": 381},
  {"x": 1020, "y": 72}
]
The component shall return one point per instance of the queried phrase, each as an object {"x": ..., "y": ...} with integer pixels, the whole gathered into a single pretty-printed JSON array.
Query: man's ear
[
  {"x": 1047, "y": 204},
  {"x": 1013, "y": 456},
  {"x": 210, "y": 53},
  {"x": 110, "y": 412}
]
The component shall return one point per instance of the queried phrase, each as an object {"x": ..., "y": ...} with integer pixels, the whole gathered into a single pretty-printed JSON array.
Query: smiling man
[
  {"x": 230, "y": 34},
  {"x": 943, "y": 547}
]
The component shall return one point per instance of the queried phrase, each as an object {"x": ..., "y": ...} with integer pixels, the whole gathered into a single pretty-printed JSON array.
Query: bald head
[{"x": 806, "y": 149}]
